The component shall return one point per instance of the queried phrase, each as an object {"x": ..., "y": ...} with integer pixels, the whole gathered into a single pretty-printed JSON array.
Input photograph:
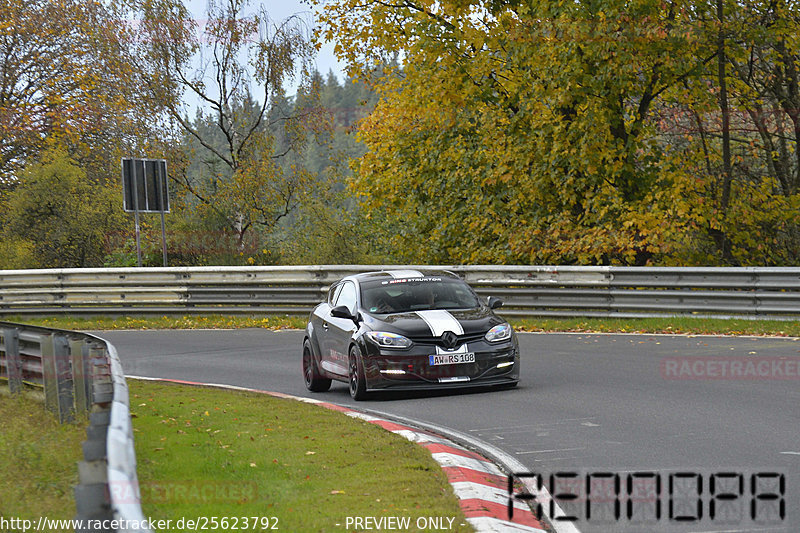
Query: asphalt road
[{"x": 591, "y": 405}]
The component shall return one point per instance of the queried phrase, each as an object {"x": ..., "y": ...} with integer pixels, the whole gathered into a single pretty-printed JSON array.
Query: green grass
[
  {"x": 674, "y": 325},
  {"x": 81, "y": 323},
  {"x": 677, "y": 325},
  {"x": 38, "y": 460},
  {"x": 210, "y": 452}
]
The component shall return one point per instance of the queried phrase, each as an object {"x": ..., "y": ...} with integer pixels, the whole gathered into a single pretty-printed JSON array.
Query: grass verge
[
  {"x": 38, "y": 460},
  {"x": 671, "y": 325},
  {"x": 676, "y": 325},
  {"x": 206, "y": 452},
  {"x": 81, "y": 323}
]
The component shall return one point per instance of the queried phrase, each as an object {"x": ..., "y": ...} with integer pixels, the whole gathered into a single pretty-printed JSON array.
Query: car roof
[{"x": 400, "y": 274}]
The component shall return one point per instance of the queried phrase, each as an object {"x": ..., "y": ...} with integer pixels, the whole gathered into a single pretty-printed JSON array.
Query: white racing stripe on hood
[
  {"x": 440, "y": 321},
  {"x": 405, "y": 273}
]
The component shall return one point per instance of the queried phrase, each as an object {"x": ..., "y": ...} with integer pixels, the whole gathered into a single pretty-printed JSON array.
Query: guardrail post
[
  {"x": 94, "y": 447},
  {"x": 66, "y": 405},
  {"x": 79, "y": 354},
  {"x": 13, "y": 361},
  {"x": 57, "y": 376},
  {"x": 49, "y": 376},
  {"x": 92, "y": 496},
  {"x": 100, "y": 372}
]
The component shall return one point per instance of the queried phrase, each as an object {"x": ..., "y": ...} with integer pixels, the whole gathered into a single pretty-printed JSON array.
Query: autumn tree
[
  {"x": 739, "y": 203},
  {"x": 67, "y": 80},
  {"x": 520, "y": 132},
  {"x": 234, "y": 70},
  {"x": 532, "y": 131},
  {"x": 764, "y": 65},
  {"x": 59, "y": 217},
  {"x": 328, "y": 227}
]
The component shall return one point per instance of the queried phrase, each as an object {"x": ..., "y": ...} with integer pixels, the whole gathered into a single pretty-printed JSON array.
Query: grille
[{"x": 429, "y": 339}]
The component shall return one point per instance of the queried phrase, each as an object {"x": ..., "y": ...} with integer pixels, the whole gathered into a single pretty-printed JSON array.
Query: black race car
[{"x": 406, "y": 330}]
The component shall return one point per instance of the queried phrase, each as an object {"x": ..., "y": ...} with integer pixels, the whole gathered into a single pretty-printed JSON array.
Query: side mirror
[
  {"x": 341, "y": 311},
  {"x": 494, "y": 302}
]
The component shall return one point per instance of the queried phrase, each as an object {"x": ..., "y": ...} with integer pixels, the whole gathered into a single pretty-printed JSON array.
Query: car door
[
  {"x": 319, "y": 325},
  {"x": 339, "y": 331}
]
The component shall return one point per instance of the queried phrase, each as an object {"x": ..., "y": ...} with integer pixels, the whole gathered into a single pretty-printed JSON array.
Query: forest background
[{"x": 593, "y": 132}]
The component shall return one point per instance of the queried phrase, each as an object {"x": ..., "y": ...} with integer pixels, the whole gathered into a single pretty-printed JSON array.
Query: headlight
[
  {"x": 501, "y": 332},
  {"x": 385, "y": 339}
]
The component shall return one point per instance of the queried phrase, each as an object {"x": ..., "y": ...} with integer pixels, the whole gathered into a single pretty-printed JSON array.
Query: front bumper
[{"x": 495, "y": 365}]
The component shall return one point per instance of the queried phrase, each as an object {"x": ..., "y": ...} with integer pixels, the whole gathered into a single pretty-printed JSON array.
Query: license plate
[{"x": 451, "y": 359}]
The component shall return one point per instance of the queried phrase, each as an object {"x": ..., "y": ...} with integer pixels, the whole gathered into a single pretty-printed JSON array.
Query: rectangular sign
[{"x": 144, "y": 185}]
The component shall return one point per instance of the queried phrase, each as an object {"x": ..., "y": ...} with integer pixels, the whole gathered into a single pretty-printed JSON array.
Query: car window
[
  {"x": 347, "y": 297},
  {"x": 333, "y": 292},
  {"x": 416, "y": 294}
]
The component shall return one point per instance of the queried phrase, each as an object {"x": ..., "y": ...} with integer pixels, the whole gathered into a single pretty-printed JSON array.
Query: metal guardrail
[
  {"x": 81, "y": 373},
  {"x": 527, "y": 290}
]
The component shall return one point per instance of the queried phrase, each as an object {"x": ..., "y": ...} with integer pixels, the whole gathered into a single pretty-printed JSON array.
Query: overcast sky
[{"x": 280, "y": 10}]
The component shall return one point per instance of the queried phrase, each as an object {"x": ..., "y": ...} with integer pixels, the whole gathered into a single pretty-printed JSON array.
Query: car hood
[{"x": 434, "y": 322}]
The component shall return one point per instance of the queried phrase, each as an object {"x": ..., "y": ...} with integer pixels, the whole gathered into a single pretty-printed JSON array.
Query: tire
[
  {"x": 355, "y": 371},
  {"x": 314, "y": 382}
]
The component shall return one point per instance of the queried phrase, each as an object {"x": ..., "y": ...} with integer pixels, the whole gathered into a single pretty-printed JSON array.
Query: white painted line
[
  {"x": 420, "y": 438},
  {"x": 468, "y": 490},
  {"x": 551, "y": 451},
  {"x": 540, "y": 425},
  {"x": 486, "y": 524},
  {"x": 305, "y": 400},
  {"x": 362, "y": 416},
  {"x": 230, "y": 387},
  {"x": 790, "y": 453},
  {"x": 459, "y": 461}
]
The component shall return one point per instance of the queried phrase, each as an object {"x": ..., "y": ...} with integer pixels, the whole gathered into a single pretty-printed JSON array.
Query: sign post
[
  {"x": 135, "y": 187},
  {"x": 144, "y": 188}
]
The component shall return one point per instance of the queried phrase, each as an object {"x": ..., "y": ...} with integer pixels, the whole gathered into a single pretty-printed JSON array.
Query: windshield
[{"x": 416, "y": 294}]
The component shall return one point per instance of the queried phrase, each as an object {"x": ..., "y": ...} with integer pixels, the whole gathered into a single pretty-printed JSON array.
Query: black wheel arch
[{"x": 313, "y": 342}]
